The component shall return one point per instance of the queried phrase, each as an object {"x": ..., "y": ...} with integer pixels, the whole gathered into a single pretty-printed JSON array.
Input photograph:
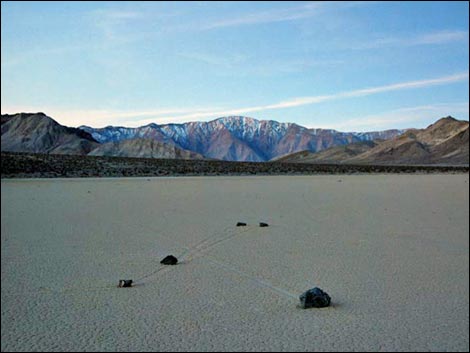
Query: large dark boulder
[
  {"x": 241, "y": 224},
  {"x": 262, "y": 224},
  {"x": 169, "y": 260},
  {"x": 314, "y": 298}
]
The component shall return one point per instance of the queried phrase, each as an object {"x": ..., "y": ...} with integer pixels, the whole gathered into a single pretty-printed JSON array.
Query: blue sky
[{"x": 351, "y": 66}]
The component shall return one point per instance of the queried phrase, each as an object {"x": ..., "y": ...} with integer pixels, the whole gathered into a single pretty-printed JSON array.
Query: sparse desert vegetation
[{"x": 30, "y": 165}]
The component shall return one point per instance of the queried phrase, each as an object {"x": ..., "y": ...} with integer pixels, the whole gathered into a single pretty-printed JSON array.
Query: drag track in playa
[{"x": 391, "y": 250}]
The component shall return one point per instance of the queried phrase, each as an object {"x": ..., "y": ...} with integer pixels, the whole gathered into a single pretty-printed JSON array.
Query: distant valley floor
[{"x": 31, "y": 165}]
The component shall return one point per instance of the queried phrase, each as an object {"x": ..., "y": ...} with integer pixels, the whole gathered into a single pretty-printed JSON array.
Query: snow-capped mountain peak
[{"x": 238, "y": 137}]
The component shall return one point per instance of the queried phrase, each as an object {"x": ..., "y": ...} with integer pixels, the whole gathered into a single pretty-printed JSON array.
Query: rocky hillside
[
  {"x": 40, "y": 134},
  {"x": 330, "y": 155},
  {"x": 143, "y": 148},
  {"x": 239, "y": 138},
  {"x": 444, "y": 142}
]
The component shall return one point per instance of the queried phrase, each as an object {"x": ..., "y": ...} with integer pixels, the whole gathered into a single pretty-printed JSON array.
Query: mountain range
[
  {"x": 444, "y": 142},
  {"x": 236, "y": 138}
]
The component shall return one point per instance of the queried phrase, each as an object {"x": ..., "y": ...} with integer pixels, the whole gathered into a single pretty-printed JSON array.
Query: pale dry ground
[{"x": 391, "y": 250}]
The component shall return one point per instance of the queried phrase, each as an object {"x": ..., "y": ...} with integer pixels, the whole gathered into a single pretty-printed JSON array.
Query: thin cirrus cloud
[
  {"x": 179, "y": 115},
  {"x": 411, "y": 116},
  {"x": 101, "y": 118},
  {"x": 306, "y": 10},
  {"x": 248, "y": 65},
  {"x": 225, "y": 61},
  {"x": 111, "y": 22},
  {"x": 269, "y": 16},
  {"x": 434, "y": 38},
  {"x": 301, "y": 101}
]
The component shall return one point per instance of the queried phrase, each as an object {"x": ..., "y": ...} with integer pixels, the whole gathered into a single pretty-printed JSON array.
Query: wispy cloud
[
  {"x": 113, "y": 24},
  {"x": 109, "y": 25},
  {"x": 241, "y": 64},
  {"x": 33, "y": 54},
  {"x": 301, "y": 101},
  {"x": 269, "y": 16},
  {"x": 137, "y": 118},
  {"x": 227, "y": 61},
  {"x": 440, "y": 37},
  {"x": 103, "y": 117},
  {"x": 406, "y": 85},
  {"x": 417, "y": 117},
  {"x": 111, "y": 19},
  {"x": 117, "y": 15},
  {"x": 287, "y": 14}
]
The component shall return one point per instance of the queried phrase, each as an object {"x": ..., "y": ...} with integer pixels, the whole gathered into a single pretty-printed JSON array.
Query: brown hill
[
  {"x": 331, "y": 155},
  {"x": 143, "y": 148},
  {"x": 444, "y": 142},
  {"x": 441, "y": 131},
  {"x": 38, "y": 133},
  {"x": 225, "y": 146},
  {"x": 453, "y": 150},
  {"x": 440, "y": 143}
]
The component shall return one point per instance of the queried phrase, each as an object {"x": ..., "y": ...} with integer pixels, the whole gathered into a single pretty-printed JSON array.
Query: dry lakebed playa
[{"x": 392, "y": 251}]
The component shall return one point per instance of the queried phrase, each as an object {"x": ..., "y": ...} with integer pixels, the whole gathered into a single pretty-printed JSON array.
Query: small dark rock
[
  {"x": 241, "y": 224},
  {"x": 314, "y": 298},
  {"x": 125, "y": 283},
  {"x": 261, "y": 224},
  {"x": 169, "y": 260}
]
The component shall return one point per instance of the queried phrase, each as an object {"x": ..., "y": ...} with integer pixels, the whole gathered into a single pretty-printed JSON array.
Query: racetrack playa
[{"x": 391, "y": 250}]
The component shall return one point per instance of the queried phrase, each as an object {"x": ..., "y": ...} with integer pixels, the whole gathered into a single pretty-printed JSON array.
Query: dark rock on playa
[
  {"x": 125, "y": 283},
  {"x": 169, "y": 260},
  {"x": 241, "y": 224},
  {"x": 261, "y": 224},
  {"x": 314, "y": 298}
]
